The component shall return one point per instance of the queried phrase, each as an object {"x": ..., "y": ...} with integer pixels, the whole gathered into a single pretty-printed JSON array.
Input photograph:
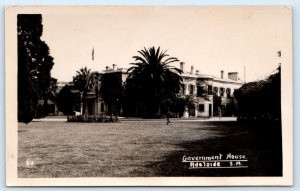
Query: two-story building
[
  {"x": 207, "y": 88},
  {"x": 204, "y": 89}
]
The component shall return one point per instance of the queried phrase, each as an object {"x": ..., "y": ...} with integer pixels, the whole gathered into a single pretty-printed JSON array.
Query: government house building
[{"x": 204, "y": 89}]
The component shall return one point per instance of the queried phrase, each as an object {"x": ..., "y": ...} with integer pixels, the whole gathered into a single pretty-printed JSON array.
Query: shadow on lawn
[{"x": 259, "y": 141}]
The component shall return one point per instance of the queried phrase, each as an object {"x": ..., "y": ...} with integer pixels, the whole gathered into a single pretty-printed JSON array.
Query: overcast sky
[{"x": 209, "y": 38}]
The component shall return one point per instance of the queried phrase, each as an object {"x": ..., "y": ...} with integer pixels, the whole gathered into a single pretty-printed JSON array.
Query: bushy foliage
[
  {"x": 100, "y": 118},
  {"x": 68, "y": 100},
  {"x": 260, "y": 99},
  {"x": 34, "y": 65}
]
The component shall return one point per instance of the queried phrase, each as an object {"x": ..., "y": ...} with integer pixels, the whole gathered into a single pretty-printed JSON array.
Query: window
[
  {"x": 102, "y": 107},
  {"x": 209, "y": 90},
  {"x": 201, "y": 107},
  {"x": 191, "y": 89},
  {"x": 200, "y": 90},
  {"x": 228, "y": 92},
  {"x": 221, "y": 92},
  {"x": 215, "y": 90}
]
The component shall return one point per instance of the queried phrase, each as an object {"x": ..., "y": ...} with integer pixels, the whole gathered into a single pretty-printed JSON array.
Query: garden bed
[{"x": 96, "y": 118}]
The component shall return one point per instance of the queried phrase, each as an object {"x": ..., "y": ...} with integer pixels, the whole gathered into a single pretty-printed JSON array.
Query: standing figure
[
  {"x": 219, "y": 112},
  {"x": 168, "y": 119}
]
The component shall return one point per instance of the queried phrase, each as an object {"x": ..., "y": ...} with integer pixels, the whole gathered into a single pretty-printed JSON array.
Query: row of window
[
  {"x": 222, "y": 91},
  {"x": 191, "y": 89},
  {"x": 210, "y": 90}
]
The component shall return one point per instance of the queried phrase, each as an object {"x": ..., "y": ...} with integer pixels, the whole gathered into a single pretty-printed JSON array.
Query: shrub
[{"x": 96, "y": 118}]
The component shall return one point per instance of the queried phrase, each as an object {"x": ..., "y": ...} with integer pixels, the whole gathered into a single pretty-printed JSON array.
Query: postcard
[{"x": 149, "y": 95}]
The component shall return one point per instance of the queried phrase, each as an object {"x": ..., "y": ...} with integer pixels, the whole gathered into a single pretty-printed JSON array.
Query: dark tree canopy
[
  {"x": 34, "y": 65},
  {"x": 152, "y": 80},
  {"x": 260, "y": 99},
  {"x": 68, "y": 100}
]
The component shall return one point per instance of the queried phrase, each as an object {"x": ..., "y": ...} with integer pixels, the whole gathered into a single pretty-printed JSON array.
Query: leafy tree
[
  {"x": 34, "y": 65},
  {"x": 53, "y": 86},
  {"x": 85, "y": 81},
  {"x": 152, "y": 80},
  {"x": 182, "y": 102},
  {"x": 68, "y": 100},
  {"x": 260, "y": 99}
]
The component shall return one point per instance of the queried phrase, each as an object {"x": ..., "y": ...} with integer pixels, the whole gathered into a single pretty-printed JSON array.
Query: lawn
[{"x": 140, "y": 148}]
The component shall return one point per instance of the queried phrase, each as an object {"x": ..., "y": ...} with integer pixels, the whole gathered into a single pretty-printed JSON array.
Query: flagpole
[{"x": 93, "y": 54}]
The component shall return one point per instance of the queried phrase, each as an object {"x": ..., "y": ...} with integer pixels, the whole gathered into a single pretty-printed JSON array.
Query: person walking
[
  {"x": 168, "y": 119},
  {"x": 219, "y": 112}
]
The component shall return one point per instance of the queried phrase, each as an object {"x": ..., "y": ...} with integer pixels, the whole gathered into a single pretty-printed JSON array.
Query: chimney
[
  {"x": 182, "y": 66},
  {"x": 197, "y": 72},
  {"x": 233, "y": 76},
  {"x": 222, "y": 74},
  {"x": 114, "y": 66},
  {"x": 192, "y": 69}
]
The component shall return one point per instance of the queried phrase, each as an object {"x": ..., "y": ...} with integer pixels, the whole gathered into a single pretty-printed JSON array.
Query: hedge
[{"x": 96, "y": 118}]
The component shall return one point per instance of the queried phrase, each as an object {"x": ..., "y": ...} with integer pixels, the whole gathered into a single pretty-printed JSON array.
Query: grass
[{"x": 140, "y": 148}]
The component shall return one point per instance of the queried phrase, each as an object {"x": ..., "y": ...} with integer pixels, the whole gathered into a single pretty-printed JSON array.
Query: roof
[
  {"x": 226, "y": 80},
  {"x": 211, "y": 77},
  {"x": 184, "y": 75},
  {"x": 123, "y": 70}
]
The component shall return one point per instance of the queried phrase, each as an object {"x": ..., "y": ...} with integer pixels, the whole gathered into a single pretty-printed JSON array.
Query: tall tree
[
  {"x": 34, "y": 65},
  {"x": 85, "y": 81},
  {"x": 152, "y": 80}
]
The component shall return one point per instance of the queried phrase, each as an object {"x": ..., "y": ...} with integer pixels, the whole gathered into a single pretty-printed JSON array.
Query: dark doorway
[
  {"x": 192, "y": 111},
  {"x": 90, "y": 105}
]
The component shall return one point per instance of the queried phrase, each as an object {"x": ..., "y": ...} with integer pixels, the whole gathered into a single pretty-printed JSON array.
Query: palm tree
[
  {"x": 152, "y": 79},
  {"x": 85, "y": 81}
]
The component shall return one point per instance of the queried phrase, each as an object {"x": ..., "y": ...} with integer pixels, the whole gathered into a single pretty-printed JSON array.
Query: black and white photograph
[{"x": 149, "y": 95}]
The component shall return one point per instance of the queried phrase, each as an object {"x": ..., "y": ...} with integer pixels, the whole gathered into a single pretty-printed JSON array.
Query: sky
[{"x": 209, "y": 38}]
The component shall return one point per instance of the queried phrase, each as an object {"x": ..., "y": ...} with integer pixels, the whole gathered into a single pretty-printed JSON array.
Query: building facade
[
  {"x": 211, "y": 94},
  {"x": 206, "y": 89}
]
